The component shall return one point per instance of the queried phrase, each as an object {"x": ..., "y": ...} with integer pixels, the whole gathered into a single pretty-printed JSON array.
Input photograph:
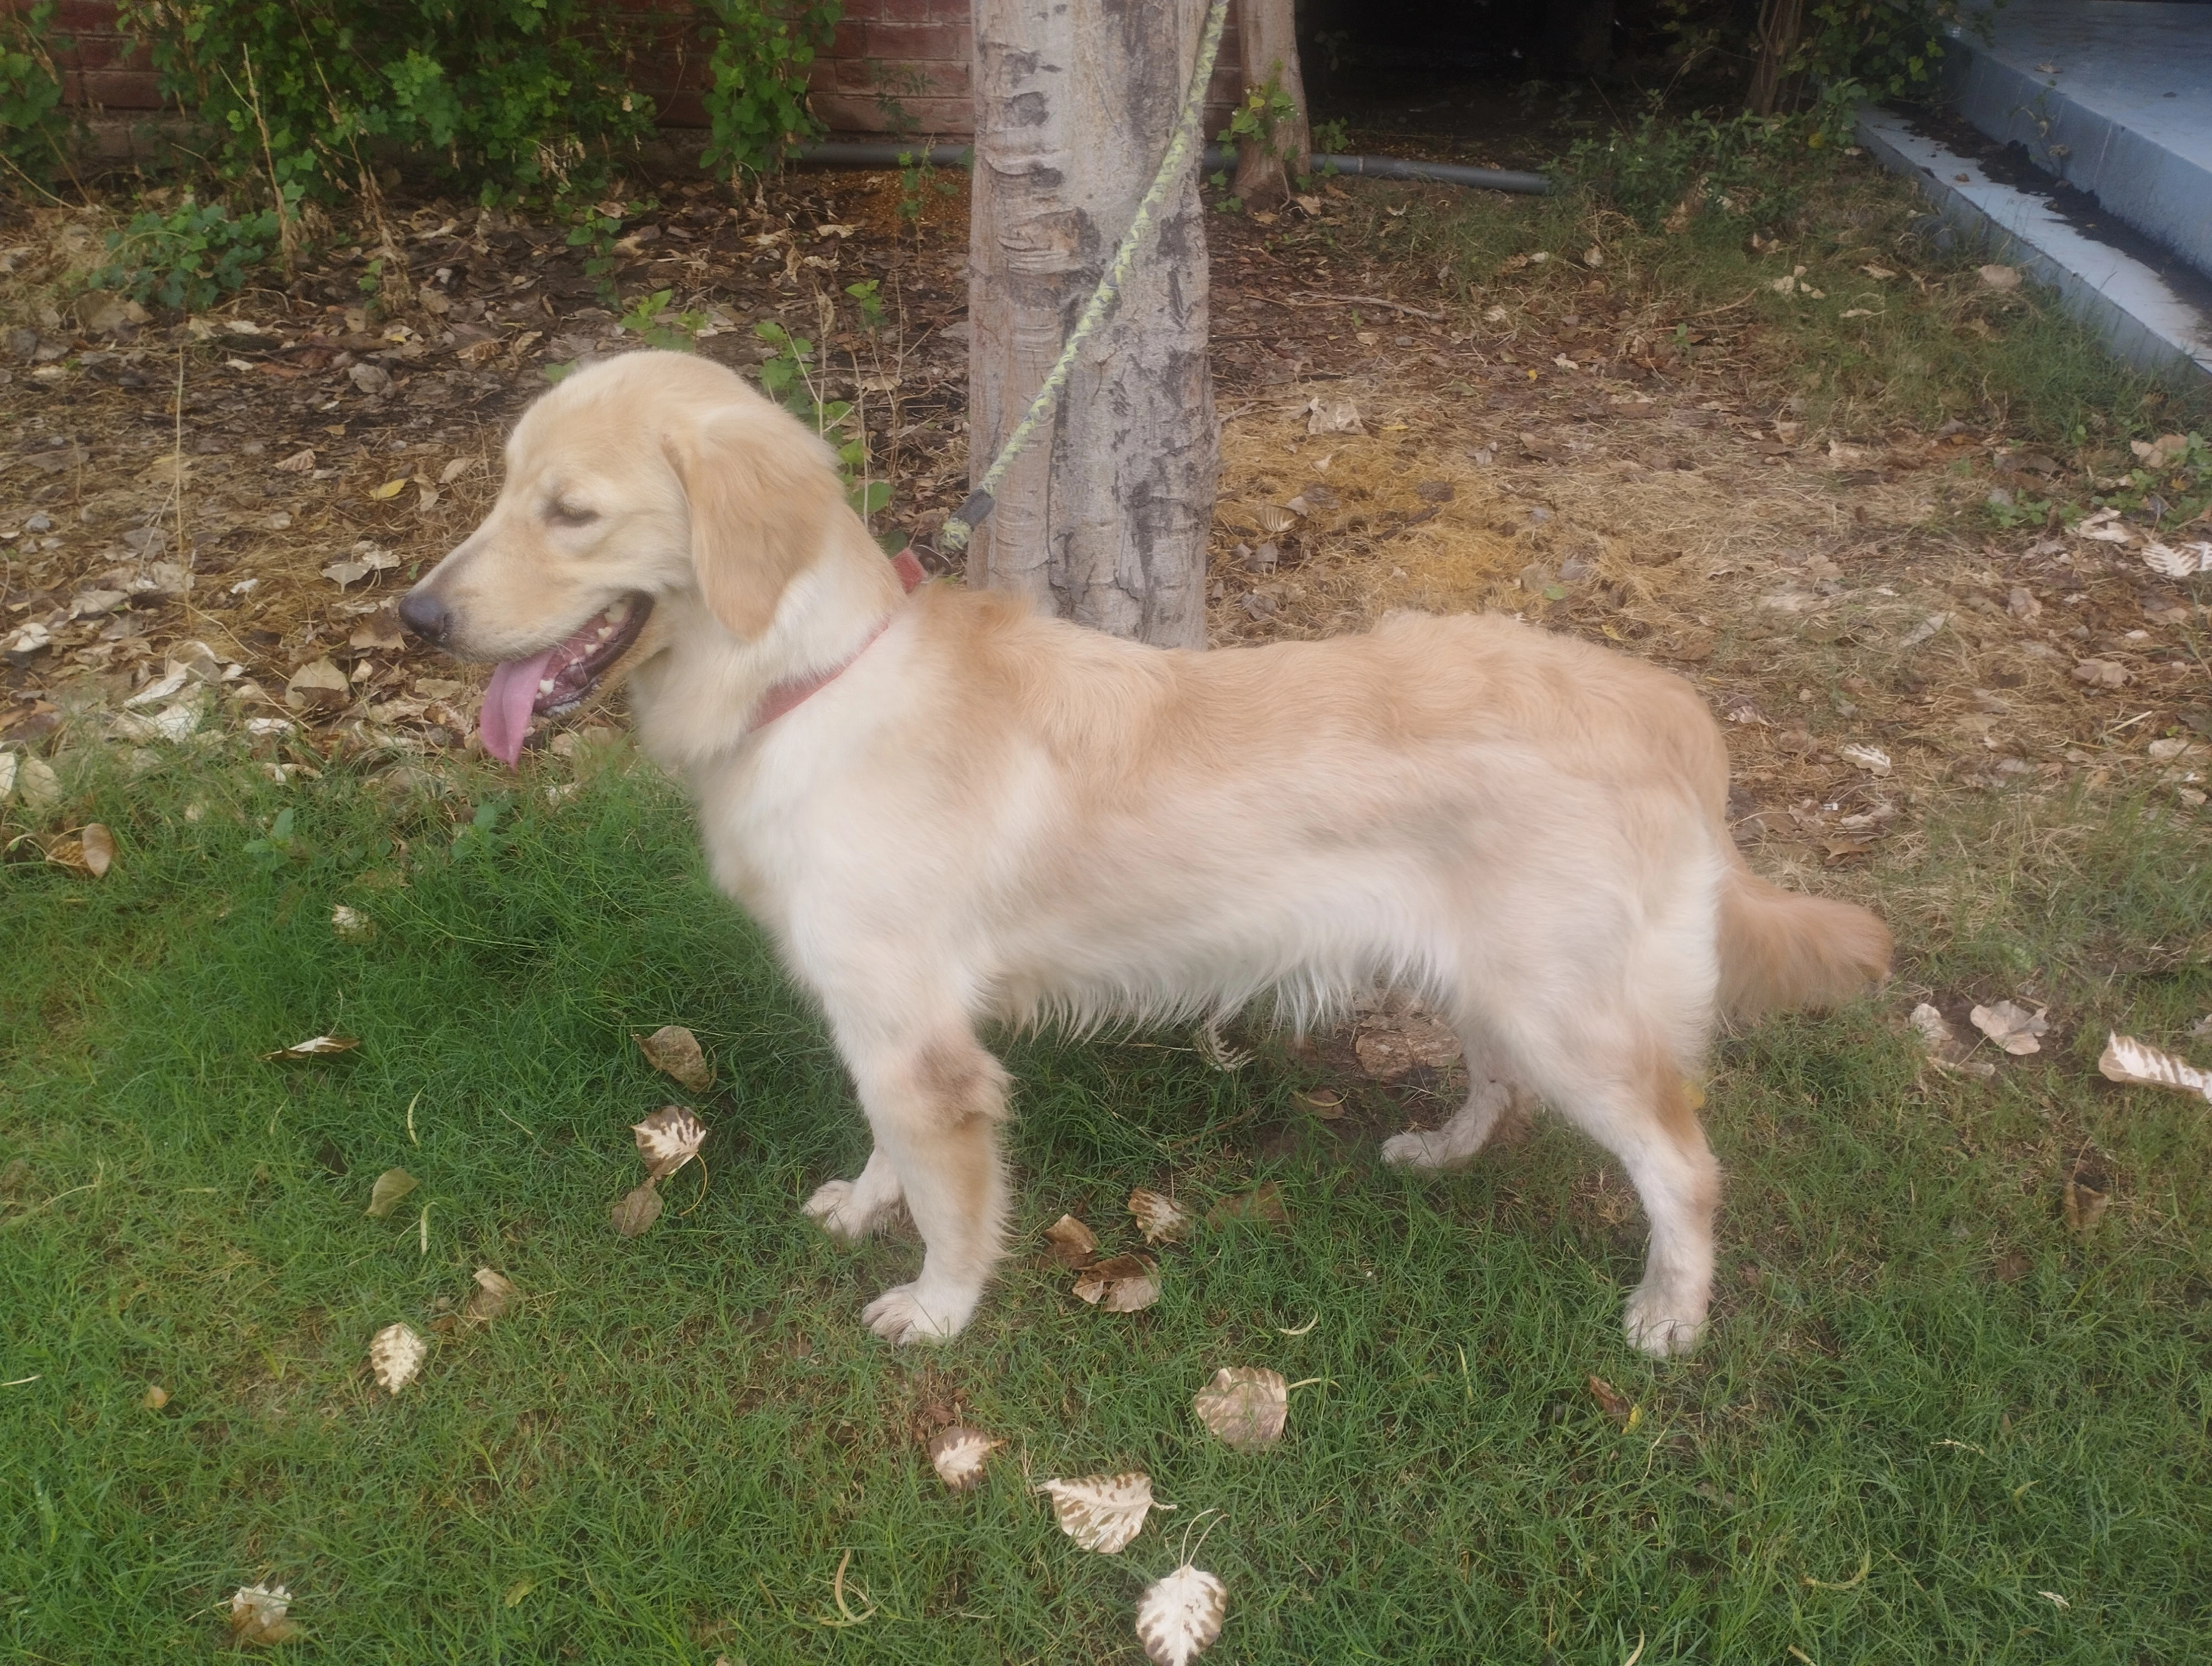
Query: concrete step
[
  {"x": 2153, "y": 309},
  {"x": 2114, "y": 97}
]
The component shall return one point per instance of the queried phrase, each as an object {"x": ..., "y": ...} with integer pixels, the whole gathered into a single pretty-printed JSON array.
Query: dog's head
[{"x": 635, "y": 489}]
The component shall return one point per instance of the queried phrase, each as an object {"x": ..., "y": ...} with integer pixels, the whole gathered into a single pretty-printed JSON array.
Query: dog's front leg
[
  {"x": 848, "y": 1210},
  {"x": 935, "y": 1105}
]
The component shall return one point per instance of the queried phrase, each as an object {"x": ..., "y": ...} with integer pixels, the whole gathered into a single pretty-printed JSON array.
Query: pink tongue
[{"x": 507, "y": 701}]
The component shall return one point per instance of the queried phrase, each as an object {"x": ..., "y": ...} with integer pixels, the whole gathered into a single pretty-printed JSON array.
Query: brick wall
[{"x": 914, "y": 52}]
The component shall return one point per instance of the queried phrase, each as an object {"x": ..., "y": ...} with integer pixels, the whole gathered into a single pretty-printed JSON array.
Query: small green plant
[
  {"x": 188, "y": 259},
  {"x": 479, "y": 837},
  {"x": 791, "y": 375},
  {"x": 596, "y": 226},
  {"x": 33, "y": 126},
  {"x": 278, "y": 845},
  {"x": 649, "y": 320},
  {"x": 1331, "y": 138},
  {"x": 918, "y": 182},
  {"x": 868, "y": 302},
  {"x": 1254, "y": 124},
  {"x": 756, "y": 95}
]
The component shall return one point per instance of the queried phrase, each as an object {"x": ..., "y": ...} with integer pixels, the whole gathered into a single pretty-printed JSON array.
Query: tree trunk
[
  {"x": 1266, "y": 36},
  {"x": 1781, "y": 28},
  {"x": 1104, "y": 517}
]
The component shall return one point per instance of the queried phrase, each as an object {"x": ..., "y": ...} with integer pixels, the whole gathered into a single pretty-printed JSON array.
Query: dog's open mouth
[{"x": 557, "y": 680}]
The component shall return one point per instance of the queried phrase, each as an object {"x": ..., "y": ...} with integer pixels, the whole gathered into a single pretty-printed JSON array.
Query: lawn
[{"x": 1930, "y": 1423}]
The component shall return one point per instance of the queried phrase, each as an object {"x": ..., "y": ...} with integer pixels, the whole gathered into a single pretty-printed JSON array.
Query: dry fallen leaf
[
  {"x": 1158, "y": 1218},
  {"x": 1392, "y": 1045},
  {"x": 674, "y": 1051},
  {"x": 2001, "y": 278},
  {"x": 390, "y": 488},
  {"x": 298, "y": 463},
  {"x": 314, "y": 1047},
  {"x": 1245, "y": 1406},
  {"x": 1070, "y": 1242},
  {"x": 351, "y": 923},
  {"x": 391, "y": 1186},
  {"x": 1263, "y": 1202},
  {"x": 1102, "y": 1512},
  {"x": 637, "y": 1210},
  {"x": 669, "y": 1139},
  {"x": 1178, "y": 1617},
  {"x": 2127, "y": 1059},
  {"x": 958, "y": 1455},
  {"x": 2085, "y": 1204},
  {"x": 257, "y": 1615},
  {"x": 155, "y": 1398},
  {"x": 490, "y": 1298},
  {"x": 1122, "y": 1284},
  {"x": 2013, "y": 1028},
  {"x": 395, "y": 1354},
  {"x": 1945, "y": 1049},
  {"x": 1872, "y": 759},
  {"x": 1613, "y": 1403},
  {"x": 99, "y": 850},
  {"x": 2102, "y": 674}
]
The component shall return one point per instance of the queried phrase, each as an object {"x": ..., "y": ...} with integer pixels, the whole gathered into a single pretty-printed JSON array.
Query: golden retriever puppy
[{"x": 951, "y": 812}]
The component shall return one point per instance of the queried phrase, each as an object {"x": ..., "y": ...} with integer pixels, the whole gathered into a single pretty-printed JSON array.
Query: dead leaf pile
[
  {"x": 1112, "y": 1284},
  {"x": 2012, "y": 1027},
  {"x": 1158, "y": 1218},
  {"x": 1945, "y": 1051},
  {"x": 667, "y": 1139}
]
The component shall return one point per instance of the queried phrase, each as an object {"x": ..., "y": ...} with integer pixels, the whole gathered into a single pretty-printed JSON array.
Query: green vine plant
[{"x": 34, "y": 128}]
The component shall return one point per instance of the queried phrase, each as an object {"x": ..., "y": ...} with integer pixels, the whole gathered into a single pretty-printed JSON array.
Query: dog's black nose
[{"x": 425, "y": 615}]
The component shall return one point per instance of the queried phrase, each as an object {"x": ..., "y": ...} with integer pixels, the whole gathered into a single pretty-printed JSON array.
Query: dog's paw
[
  {"x": 1661, "y": 1321},
  {"x": 904, "y": 1315},
  {"x": 1432, "y": 1153},
  {"x": 842, "y": 1209}
]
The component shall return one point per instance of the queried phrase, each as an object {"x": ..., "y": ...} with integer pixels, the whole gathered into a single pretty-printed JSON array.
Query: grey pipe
[{"x": 888, "y": 153}]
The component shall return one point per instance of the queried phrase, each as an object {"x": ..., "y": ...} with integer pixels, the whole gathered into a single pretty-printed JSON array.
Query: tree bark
[
  {"x": 1267, "y": 42},
  {"x": 1781, "y": 28},
  {"x": 1104, "y": 517}
]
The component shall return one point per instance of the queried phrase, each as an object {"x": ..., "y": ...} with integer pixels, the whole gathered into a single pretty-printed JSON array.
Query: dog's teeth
[
  {"x": 618, "y": 612},
  {"x": 545, "y": 686},
  {"x": 605, "y": 631}
]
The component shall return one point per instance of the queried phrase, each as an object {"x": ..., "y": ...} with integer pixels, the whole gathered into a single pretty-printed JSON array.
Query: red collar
[{"x": 784, "y": 696}]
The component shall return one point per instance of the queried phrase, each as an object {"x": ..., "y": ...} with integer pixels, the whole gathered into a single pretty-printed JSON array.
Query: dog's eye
[{"x": 571, "y": 514}]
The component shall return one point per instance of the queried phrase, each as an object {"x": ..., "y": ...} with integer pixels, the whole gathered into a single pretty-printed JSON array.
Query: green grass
[
  {"x": 1918, "y": 1376},
  {"x": 1932, "y": 341}
]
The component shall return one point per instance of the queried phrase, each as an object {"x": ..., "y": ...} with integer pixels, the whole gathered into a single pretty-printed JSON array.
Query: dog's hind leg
[
  {"x": 1454, "y": 1146},
  {"x": 848, "y": 1210},
  {"x": 935, "y": 1106}
]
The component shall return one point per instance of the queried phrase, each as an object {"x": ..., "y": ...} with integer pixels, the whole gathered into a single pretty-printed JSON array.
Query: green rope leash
[{"x": 958, "y": 529}]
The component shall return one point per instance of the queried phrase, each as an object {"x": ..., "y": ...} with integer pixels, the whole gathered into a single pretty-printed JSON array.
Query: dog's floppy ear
[{"x": 763, "y": 496}]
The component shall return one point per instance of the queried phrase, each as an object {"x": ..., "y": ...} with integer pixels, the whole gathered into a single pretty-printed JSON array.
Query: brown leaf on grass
[
  {"x": 2084, "y": 1206},
  {"x": 2139, "y": 1065},
  {"x": 1102, "y": 1512},
  {"x": 1613, "y": 1403},
  {"x": 958, "y": 1455},
  {"x": 493, "y": 1294},
  {"x": 395, "y": 1354},
  {"x": 637, "y": 1209},
  {"x": 379, "y": 631},
  {"x": 99, "y": 845},
  {"x": 384, "y": 1196},
  {"x": 2013, "y": 1028},
  {"x": 1158, "y": 1218},
  {"x": 1263, "y": 1202},
  {"x": 1945, "y": 1051},
  {"x": 300, "y": 462},
  {"x": 1123, "y": 1285},
  {"x": 2103, "y": 674},
  {"x": 258, "y": 1616},
  {"x": 675, "y": 1051},
  {"x": 1245, "y": 1407},
  {"x": 351, "y": 923},
  {"x": 1394, "y": 1045},
  {"x": 155, "y": 1398},
  {"x": 314, "y": 1046},
  {"x": 1070, "y": 1244},
  {"x": 669, "y": 1139},
  {"x": 2001, "y": 278},
  {"x": 1179, "y": 1616}
]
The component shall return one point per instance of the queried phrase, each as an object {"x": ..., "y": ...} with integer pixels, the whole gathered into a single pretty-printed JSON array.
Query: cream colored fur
[{"x": 993, "y": 819}]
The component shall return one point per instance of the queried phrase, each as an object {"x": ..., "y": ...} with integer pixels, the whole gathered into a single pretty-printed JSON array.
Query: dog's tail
[{"x": 1783, "y": 951}]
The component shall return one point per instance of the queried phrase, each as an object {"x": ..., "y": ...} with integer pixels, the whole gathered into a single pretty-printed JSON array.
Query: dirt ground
[{"x": 223, "y": 510}]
